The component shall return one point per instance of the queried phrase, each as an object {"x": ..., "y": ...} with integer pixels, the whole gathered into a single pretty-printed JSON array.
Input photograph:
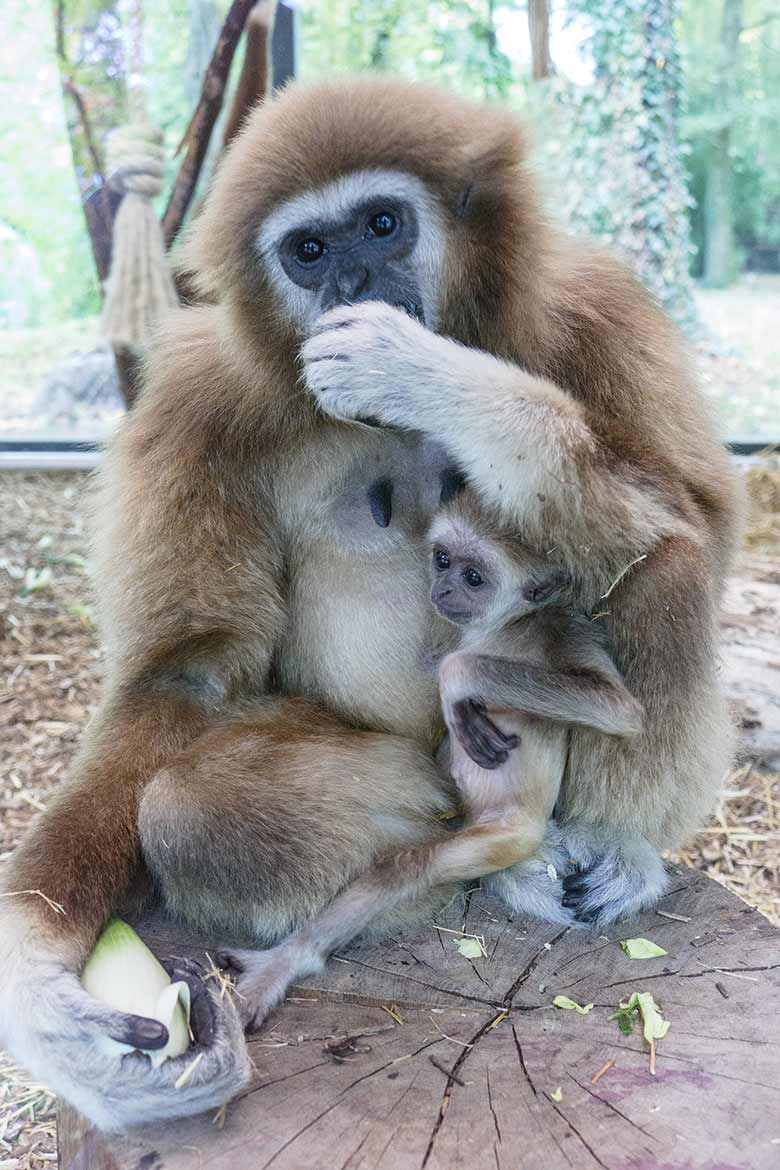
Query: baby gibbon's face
[
  {"x": 462, "y": 588},
  {"x": 467, "y": 587}
]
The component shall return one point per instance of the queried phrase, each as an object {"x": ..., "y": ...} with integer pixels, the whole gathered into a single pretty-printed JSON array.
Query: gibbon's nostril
[{"x": 351, "y": 279}]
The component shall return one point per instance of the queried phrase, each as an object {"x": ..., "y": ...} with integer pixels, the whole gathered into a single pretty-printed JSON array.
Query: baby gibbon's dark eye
[
  {"x": 307, "y": 251},
  {"x": 383, "y": 223},
  {"x": 472, "y": 578},
  {"x": 441, "y": 560}
]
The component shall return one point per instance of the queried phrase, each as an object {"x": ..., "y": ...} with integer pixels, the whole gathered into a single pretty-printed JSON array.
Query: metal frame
[{"x": 48, "y": 453}]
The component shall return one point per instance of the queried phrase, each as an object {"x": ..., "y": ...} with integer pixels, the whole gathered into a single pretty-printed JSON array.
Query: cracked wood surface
[{"x": 470, "y": 1079}]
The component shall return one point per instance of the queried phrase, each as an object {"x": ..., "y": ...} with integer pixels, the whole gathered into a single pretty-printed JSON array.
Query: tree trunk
[
  {"x": 719, "y": 258},
  {"x": 198, "y": 133},
  {"x": 254, "y": 83},
  {"x": 539, "y": 31}
]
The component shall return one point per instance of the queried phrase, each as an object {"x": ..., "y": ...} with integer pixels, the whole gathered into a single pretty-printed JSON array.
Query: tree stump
[{"x": 408, "y": 1056}]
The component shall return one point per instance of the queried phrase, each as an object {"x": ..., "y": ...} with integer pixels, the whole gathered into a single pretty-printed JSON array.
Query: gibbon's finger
[
  {"x": 230, "y": 960},
  {"x": 137, "y": 1031},
  {"x": 485, "y": 743},
  {"x": 202, "y": 1011},
  {"x": 342, "y": 317},
  {"x": 124, "y": 1027}
]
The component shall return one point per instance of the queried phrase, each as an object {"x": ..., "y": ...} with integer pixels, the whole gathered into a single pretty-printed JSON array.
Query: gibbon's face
[
  {"x": 471, "y": 587},
  {"x": 368, "y": 236},
  {"x": 463, "y": 588}
]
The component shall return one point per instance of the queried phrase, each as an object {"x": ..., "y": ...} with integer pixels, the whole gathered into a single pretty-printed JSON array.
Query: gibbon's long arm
[
  {"x": 185, "y": 617},
  {"x": 587, "y": 698},
  {"x": 524, "y": 443},
  {"x": 187, "y": 620}
]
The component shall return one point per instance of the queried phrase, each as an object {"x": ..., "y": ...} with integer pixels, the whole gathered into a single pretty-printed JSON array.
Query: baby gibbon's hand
[{"x": 479, "y": 737}]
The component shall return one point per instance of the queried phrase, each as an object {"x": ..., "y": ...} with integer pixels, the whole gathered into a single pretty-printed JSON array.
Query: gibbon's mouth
[{"x": 461, "y": 617}]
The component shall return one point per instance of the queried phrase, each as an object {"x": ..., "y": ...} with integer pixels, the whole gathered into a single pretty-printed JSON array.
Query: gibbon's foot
[
  {"x": 613, "y": 883},
  {"x": 262, "y": 977},
  {"x": 535, "y": 886},
  {"x": 59, "y": 1033}
]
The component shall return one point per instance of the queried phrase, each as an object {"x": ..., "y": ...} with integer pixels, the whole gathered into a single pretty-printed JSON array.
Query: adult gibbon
[{"x": 393, "y": 315}]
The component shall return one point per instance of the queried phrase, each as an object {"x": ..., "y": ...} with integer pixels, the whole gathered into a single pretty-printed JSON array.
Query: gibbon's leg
[
  {"x": 63, "y": 1028},
  {"x": 257, "y": 827},
  {"x": 529, "y": 780},
  {"x": 615, "y": 874},
  {"x": 62, "y": 883},
  {"x": 508, "y": 809},
  {"x": 401, "y": 884}
]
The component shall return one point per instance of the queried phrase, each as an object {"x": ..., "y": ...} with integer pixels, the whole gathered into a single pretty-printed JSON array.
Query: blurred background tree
[
  {"x": 732, "y": 127},
  {"x": 661, "y": 116},
  {"x": 655, "y": 120},
  {"x": 616, "y": 149}
]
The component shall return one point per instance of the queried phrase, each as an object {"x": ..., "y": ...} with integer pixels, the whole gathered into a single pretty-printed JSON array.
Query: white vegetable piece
[{"x": 123, "y": 973}]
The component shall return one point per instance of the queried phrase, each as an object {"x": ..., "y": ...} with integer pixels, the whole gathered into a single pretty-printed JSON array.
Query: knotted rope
[{"x": 139, "y": 287}]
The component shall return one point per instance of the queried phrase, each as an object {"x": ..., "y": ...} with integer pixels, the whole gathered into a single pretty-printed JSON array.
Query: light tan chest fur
[{"x": 361, "y": 626}]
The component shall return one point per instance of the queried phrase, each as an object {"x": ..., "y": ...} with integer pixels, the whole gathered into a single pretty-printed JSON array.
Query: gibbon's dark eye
[
  {"x": 383, "y": 223},
  {"x": 307, "y": 251},
  {"x": 472, "y": 578},
  {"x": 441, "y": 560}
]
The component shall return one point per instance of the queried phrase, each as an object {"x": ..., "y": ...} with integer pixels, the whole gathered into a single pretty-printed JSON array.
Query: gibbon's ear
[{"x": 493, "y": 166}]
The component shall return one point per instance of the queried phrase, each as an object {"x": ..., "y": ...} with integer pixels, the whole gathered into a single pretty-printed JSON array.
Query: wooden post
[
  {"x": 407, "y": 1056},
  {"x": 254, "y": 82},
  {"x": 197, "y": 135}
]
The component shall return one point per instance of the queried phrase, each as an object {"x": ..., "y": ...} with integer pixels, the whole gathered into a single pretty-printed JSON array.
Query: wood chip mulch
[{"x": 51, "y": 672}]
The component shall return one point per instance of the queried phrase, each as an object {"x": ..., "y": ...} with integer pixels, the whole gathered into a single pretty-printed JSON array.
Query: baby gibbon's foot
[{"x": 262, "y": 977}]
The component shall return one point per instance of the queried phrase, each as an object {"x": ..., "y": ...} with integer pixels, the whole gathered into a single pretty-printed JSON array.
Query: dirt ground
[{"x": 52, "y": 671}]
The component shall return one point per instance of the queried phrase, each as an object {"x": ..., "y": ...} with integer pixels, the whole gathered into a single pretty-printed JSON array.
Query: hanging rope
[{"x": 139, "y": 287}]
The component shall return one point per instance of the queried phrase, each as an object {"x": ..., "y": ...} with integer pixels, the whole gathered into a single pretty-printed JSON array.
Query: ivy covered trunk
[
  {"x": 719, "y": 253},
  {"x": 633, "y": 173}
]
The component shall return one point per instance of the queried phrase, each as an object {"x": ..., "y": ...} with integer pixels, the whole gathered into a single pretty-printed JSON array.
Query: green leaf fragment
[
  {"x": 556, "y": 1094},
  {"x": 36, "y": 580},
  {"x": 642, "y": 948},
  {"x": 563, "y": 1001},
  {"x": 654, "y": 1026},
  {"x": 470, "y": 948},
  {"x": 624, "y": 1022}
]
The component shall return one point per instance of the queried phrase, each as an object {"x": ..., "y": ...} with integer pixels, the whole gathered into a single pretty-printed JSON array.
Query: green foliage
[
  {"x": 40, "y": 206},
  {"x": 615, "y": 154},
  {"x": 750, "y": 107},
  {"x": 608, "y": 150},
  {"x": 450, "y": 41}
]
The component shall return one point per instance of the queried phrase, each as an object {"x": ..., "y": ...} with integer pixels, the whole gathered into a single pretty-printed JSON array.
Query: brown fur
[{"x": 210, "y": 509}]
